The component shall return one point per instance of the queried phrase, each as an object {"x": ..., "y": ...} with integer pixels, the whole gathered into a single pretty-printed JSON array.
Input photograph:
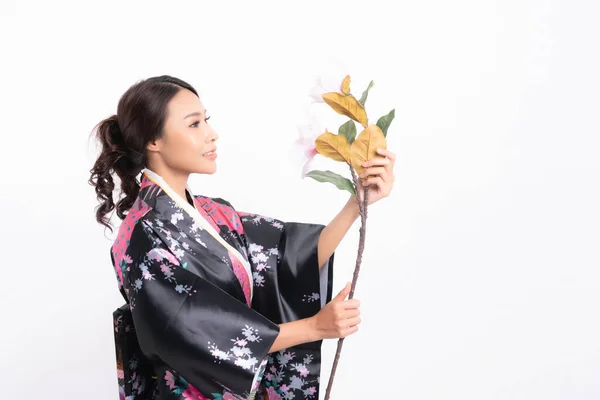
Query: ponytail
[
  {"x": 140, "y": 119},
  {"x": 117, "y": 158}
]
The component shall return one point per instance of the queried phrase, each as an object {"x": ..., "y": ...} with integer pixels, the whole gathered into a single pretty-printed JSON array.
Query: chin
[{"x": 207, "y": 170}]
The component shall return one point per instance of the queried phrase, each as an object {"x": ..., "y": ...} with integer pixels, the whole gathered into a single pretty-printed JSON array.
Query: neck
[{"x": 175, "y": 179}]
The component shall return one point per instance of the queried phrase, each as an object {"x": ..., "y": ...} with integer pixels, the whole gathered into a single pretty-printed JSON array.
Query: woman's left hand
[{"x": 381, "y": 175}]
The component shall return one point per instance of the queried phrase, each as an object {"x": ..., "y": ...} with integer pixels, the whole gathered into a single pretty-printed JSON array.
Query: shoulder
[{"x": 131, "y": 237}]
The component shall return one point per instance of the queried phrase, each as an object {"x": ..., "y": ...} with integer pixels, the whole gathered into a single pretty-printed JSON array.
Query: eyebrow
[{"x": 194, "y": 114}]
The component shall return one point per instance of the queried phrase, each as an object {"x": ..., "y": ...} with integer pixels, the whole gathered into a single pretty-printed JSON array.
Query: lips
[{"x": 210, "y": 153}]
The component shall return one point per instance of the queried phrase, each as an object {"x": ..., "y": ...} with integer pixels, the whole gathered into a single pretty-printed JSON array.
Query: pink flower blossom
[
  {"x": 304, "y": 148},
  {"x": 327, "y": 83},
  {"x": 272, "y": 394}
]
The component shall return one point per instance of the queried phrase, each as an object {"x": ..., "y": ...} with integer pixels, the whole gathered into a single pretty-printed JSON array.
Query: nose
[{"x": 213, "y": 136}]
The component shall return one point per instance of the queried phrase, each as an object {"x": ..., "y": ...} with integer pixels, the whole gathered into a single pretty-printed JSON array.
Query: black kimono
[{"x": 206, "y": 287}]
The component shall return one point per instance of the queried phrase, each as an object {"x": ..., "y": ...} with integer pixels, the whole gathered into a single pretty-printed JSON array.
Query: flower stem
[{"x": 361, "y": 247}]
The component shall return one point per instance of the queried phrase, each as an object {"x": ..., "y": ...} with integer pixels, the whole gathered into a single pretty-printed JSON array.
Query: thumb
[{"x": 344, "y": 292}]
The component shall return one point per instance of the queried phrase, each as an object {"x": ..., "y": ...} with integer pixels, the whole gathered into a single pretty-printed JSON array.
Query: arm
[
  {"x": 332, "y": 234},
  {"x": 339, "y": 318},
  {"x": 294, "y": 333}
]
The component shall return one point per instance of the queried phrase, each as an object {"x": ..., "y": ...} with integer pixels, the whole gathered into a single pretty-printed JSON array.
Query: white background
[{"x": 481, "y": 275}]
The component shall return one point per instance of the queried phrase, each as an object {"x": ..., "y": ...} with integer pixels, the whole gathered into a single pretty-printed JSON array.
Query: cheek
[{"x": 186, "y": 141}]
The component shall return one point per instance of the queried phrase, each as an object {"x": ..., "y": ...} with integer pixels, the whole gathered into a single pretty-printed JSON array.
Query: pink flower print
[
  {"x": 229, "y": 396},
  {"x": 260, "y": 267},
  {"x": 311, "y": 391},
  {"x": 241, "y": 342},
  {"x": 284, "y": 388},
  {"x": 269, "y": 376},
  {"x": 272, "y": 394},
  {"x": 170, "y": 380},
  {"x": 279, "y": 225},
  {"x": 303, "y": 371},
  {"x": 127, "y": 259},
  {"x": 193, "y": 394},
  {"x": 273, "y": 369}
]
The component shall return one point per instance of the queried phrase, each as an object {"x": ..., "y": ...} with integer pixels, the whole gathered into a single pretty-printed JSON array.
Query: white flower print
[
  {"x": 283, "y": 359},
  {"x": 147, "y": 275},
  {"x": 183, "y": 288},
  {"x": 178, "y": 216},
  {"x": 296, "y": 382},
  {"x": 195, "y": 227},
  {"x": 246, "y": 363},
  {"x": 295, "y": 386},
  {"x": 260, "y": 257},
  {"x": 218, "y": 354},
  {"x": 259, "y": 280},
  {"x": 254, "y": 248},
  {"x": 308, "y": 359},
  {"x": 239, "y": 352},
  {"x": 301, "y": 368},
  {"x": 250, "y": 334},
  {"x": 179, "y": 253},
  {"x": 309, "y": 298}
]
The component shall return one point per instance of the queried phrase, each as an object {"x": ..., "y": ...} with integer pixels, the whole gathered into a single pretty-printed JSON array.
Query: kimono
[{"x": 206, "y": 288}]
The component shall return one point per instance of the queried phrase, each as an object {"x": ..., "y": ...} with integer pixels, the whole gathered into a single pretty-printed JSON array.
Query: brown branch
[{"x": 361, "y": 247}]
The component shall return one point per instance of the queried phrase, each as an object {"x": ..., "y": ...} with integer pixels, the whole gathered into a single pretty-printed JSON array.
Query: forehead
[{"x": 183, "y": 103}]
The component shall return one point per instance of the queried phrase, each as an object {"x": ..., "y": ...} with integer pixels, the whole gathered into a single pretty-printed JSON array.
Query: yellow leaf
[
  {"x": 346, "y": 105},
  {"x": 364, "y": 148},
  {"x": 346, "y": 85},
  {"x": 333, "y": 146}
]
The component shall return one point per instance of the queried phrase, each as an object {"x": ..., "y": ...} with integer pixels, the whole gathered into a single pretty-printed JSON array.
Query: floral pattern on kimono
[{"x": 203, "y": 310}]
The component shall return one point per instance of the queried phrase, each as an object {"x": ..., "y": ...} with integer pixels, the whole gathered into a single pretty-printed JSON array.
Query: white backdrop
[{"x": 481, "y": 275}]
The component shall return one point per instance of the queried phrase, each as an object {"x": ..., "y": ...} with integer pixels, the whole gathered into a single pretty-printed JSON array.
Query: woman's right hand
[{"x": 338, "y": 318}]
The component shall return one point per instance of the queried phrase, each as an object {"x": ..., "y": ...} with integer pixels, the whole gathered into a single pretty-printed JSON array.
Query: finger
[
  {"x": 388, "y": 154},
  {"x": 344, "y": 292},
  {"x": 379, "y": 161},
  {"x": 373, "y": 171},
  {"x": 351, "y": 304},
  {"x": 351, "y": 313},
  {"x": 352, "y": 321},
  {"x": 374, "y": 180},
  {"x": 349, "y": 331}
]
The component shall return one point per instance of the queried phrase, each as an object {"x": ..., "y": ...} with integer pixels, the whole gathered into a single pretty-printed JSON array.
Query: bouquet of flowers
[{"x": 349, "y": 148}]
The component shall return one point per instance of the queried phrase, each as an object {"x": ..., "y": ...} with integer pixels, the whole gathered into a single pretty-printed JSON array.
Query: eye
[{"x": 195, "y": 124}]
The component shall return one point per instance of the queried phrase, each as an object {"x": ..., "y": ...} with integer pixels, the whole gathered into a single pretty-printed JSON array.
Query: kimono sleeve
[
  {"x": 210, "y": 338},
  {"x": 288, "y": 285}
]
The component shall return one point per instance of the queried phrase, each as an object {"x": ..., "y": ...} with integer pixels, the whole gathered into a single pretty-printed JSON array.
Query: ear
[{"x": 154, "y": 145}]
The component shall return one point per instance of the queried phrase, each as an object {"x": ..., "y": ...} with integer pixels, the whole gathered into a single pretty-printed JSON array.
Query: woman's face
[{"x": 188, "y": 142}]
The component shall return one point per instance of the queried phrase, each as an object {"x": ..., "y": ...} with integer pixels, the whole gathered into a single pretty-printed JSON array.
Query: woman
[{"x": 220, "y": 304}]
